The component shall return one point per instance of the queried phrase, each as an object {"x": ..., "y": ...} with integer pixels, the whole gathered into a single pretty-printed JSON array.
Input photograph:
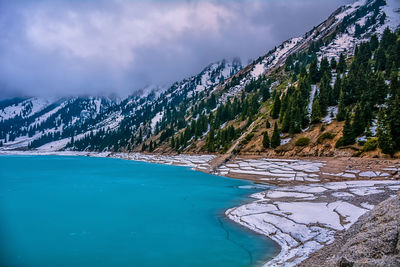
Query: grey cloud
[{"x": 103, "y": 47}]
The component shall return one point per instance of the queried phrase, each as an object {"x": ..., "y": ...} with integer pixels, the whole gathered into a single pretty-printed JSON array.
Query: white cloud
[{"x": 113, "y": 37}]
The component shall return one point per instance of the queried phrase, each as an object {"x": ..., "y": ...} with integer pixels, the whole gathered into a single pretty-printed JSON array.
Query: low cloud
[{"x": 107, "y": 47}]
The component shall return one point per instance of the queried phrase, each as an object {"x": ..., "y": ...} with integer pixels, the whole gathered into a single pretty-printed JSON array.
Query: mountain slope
[{"x": 225, "y": 108}]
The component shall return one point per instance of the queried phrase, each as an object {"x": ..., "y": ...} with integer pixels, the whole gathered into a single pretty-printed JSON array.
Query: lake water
[{"x": 81, "y": 211}]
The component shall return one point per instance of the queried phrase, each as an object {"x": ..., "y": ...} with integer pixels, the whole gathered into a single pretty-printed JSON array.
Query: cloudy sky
[{"x": 73, "y": 47}]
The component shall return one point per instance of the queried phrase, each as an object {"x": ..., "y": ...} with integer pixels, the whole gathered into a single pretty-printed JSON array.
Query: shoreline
[{"x": 277, "y": 213}]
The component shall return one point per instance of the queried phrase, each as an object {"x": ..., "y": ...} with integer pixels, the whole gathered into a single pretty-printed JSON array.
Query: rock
[
  {"x": 345, "y": 263},
  {"x": 374, "y": 240}
]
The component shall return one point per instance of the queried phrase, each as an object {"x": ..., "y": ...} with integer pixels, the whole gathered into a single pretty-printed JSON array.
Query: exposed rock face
[{"x": 374, "y": 240}]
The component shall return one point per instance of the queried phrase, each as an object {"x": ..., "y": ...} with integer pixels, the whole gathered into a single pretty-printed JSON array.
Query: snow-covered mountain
[
  {"x": 347, "y": 27},
  {"x": 50, "y": 123},
  {"x": 100, "y": 123}
]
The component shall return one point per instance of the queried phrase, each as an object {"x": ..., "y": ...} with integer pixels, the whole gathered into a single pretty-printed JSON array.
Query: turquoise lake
[{"x": 81, "y": 211}]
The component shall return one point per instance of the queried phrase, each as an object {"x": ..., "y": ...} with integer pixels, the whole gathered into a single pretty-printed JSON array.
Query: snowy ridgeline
[
  {"x": 344, "y": 42},
  {"x": 302, "y": 219}
]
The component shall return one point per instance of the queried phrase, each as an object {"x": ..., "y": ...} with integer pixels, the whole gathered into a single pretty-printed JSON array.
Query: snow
[
  {"x": 350, "y": 212},
  {"x": 193, "y": 161},
  {"x": 56, "y": 145},
  {"x": 311, "y": 212},
  {"x": 281, "y": 169},
  {"x": 342, "y": 195},
  {"x": 348, "y": 9},
  {"x": 285, "y": 48},
  {"x": 258, "y": 70},
  {"x": 47, "y": 115},
  {"x": 369, "y": 174},
  {"x": 314, "y": 89},
  {"x": 340, "y": 174},
  {"x": 285, "y": 141},
  {"x": 374, "y": 127},
  {"x": 392, "y": 14},
  {"x": 97, "y": 103},
  {"x": 305, "y": 221},
  {"x": 282, "y": 194},
  {"x": 332, "y": 112},
  {"x": 364, "y": 191},
  {"x": 157, "y": 118},
  {"x": 37, "y": 103},
  {"x": 367, "y": 206}
]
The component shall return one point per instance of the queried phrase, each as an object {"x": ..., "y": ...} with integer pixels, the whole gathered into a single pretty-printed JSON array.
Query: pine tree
[
  {"x": 341, "y": 115},
  {"x": 388, "y": 38},
  {"x": 393, "y": 112},
  {"x": 385, "y": 140},
  {"x": 336, "y": 91},
  {"x": 276, "y": 106},
  {"x": 314, "y": 73},
  {"x": 268, "y": 124},
  {"x": 177, "y": 143},
  {"x": 298, "y": 118},
  {"x": 287, "y": 118},
  {"x": 325, "y": 92},
  {"x": 276, "y": 138},
  {"x": 140, "y": 138},
  {"x": 151, "y": 148},
  {"x": 333, "y": 63},
  {"x": 265, "y": 92},
  {"x": 358, "y": 121},
  {"x": 394, "y": 84},
  {"x": 210, "y": 143},
  {"x": 380, "y": 59},
  {"x": 374, "y": 42},
  {"x": 284, "y": 105},
  {"x": 316, "y": 111},
  {"x": 348, "y": 136},
  {"x": 172, "y": 142},
  {"x": 379, "y": 89},
  {"x": 325, "y": 68},
  {"x": 341, "y": 66},
  {"x": 144, "y": 147},
  {"x": 266, "y": 142}
]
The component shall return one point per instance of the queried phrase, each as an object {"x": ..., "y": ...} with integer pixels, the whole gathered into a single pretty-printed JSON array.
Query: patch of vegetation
[
  {"x": 302, "y": 141},
  {"x": 370, "y": 145},
  {"x": 324, "y": 136},
  {"x": 247, "y": 139},
  {"x": 339, "y": 143}
]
